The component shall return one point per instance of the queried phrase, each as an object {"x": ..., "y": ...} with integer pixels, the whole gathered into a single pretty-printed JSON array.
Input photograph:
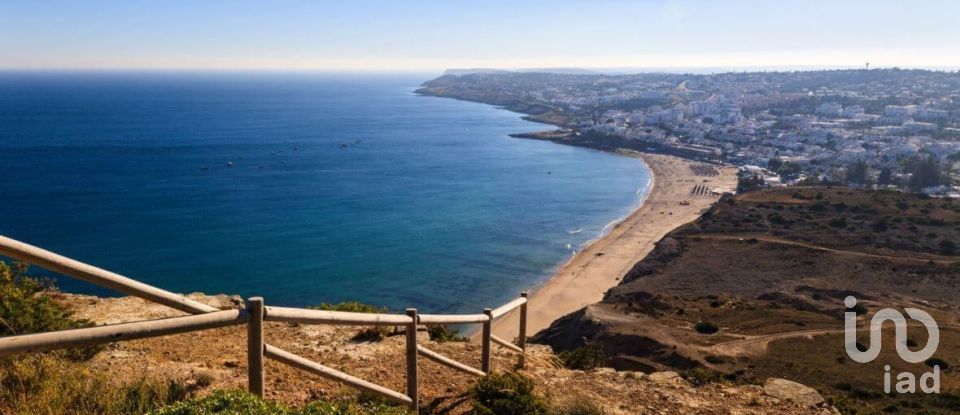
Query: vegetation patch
[
  {"x": 242, "y": 403},
  {"x": 586, "y": 357},
  {"x": 26, "y": 307},
  {"x": 370, "y": 334},
  {"x": 506, "y": 394},
  {"x": 46, "y": 384},
  {"x": 352, "y": 307},
  {"x": 706, "y": 327},
  {"x": 440, "y": 333}
]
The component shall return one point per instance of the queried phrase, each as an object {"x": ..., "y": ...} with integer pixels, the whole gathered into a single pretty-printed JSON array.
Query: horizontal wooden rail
[
  {"x": 208, "y": 317},
  {"x": 452, "y": 319},
  {"x": 119, "y": 332},
  {"x": 97, "y": 276},
  {"x": 508, "y": 307},
  {"x": 506, "y": 344},
  {"x": 308, "y": 316},
  {"x": 443, "y": 360},
  {"x": 103, "y": 278},
  {"x": 333, "y": 374}
]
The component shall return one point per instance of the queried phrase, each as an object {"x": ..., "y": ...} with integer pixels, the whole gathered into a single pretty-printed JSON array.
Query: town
[{"x": 889, "y": 128}]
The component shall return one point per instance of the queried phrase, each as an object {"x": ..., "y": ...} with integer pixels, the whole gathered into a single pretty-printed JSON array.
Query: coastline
[{"x": 586, "y": 277}]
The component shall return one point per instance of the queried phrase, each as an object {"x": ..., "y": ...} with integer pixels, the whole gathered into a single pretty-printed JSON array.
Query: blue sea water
[{"x": 302, "y": 188}]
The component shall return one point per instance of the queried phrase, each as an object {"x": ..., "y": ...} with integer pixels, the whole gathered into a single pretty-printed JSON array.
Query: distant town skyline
[{"x": 372, "y": 35}]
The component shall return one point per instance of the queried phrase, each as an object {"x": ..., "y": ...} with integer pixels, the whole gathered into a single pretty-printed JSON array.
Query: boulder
[{"x": 792, "y": 391}]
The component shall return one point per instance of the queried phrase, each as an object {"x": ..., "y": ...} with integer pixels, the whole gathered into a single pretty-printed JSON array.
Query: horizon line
[{"x": 615, "y": 70}]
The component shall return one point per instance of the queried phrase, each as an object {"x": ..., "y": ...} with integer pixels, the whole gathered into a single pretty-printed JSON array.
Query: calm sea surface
[{"x": 300, "y": 188}]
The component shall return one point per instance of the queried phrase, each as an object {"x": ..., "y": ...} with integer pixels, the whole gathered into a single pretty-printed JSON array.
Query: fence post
[
  {"x": 255, "y": 346},
  {"x": 412, "y": 360},
  {"x": 485, "y": 354},
  {"x": 522, "y": 340}
]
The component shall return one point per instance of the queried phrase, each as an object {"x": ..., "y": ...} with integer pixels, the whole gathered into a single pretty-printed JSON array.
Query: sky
[{"x": 426, "y": 35}]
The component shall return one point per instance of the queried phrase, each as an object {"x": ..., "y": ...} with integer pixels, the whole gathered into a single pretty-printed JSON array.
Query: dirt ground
[{"x": 220, "y": 355}]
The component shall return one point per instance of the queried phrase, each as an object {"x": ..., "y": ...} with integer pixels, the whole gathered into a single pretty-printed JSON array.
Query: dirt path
[
  {"x": 781, "y": 241},
  {"x": 757, "y": 345}
]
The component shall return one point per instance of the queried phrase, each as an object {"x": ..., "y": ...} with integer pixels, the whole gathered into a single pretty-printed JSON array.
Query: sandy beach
[{"x": 590, "y": 273}]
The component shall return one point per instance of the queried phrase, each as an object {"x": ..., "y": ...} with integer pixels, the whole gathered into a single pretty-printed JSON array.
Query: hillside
[
  {"x": 770, "y": 270},
  {"x": 216, "y": 359}
]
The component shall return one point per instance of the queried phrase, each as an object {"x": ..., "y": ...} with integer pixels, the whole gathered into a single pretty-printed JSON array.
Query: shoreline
[
  {"x": 587, "y": 275},
  {"x": 585, "y": 278}
]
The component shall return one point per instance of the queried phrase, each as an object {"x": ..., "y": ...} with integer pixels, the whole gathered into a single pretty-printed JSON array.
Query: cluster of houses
[{"x": 819, "y": 121}]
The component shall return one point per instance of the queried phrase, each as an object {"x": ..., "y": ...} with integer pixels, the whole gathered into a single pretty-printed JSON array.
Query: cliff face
[
  {"x": 754, "y": 289},
  {"x": 219, "y": 357}
]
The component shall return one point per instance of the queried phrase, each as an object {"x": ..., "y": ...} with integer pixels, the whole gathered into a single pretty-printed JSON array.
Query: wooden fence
[{"x": 205, "y": 317}]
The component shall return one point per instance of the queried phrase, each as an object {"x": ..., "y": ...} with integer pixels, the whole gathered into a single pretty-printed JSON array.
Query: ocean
[{"x": 301, "y": 188}]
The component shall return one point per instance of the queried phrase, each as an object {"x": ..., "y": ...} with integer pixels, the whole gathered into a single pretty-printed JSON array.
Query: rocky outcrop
[{"x": 792, "y": 391}]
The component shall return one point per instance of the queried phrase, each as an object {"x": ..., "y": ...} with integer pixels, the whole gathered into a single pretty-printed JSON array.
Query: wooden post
[
  {"x": 485, "y": 354},
  {"x": 522, "y": 340},
  {"x": 412, "y": 381},
  {"x": 255, "y": 346}
]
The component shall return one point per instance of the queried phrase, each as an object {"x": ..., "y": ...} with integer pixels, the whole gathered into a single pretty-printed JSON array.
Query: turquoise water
[{"x": 300, "y": 188}]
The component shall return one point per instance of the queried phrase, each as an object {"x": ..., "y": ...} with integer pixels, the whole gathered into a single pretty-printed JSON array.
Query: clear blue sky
[{"x": 433, "y": 35}]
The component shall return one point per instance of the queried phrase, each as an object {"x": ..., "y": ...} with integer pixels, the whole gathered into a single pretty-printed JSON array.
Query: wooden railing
[{"x": 255, "y": 313}]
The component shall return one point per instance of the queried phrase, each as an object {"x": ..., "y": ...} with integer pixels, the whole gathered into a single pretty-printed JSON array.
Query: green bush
[
  {"x": 586, "y": 357},
  {"x": 705, "y": 327},
  {"x": 242, "y": 403},
  {"x": 440, "y": 333},
  {"x": 26, "y": 307},
  {"x": 352, "y": 307},
  {"x": 506, "y": 394},
  {"x": 372, "y": 334},
  {"x": 224, "y": 402}
]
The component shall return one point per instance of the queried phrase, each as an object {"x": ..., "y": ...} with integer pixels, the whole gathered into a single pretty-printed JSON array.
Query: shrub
[
  {"x": 352, "y": 307},
  {"x": 224, "y": 402},
  {"x": 702, "y": 376},
  {"x": 586, "y": 357},
  {"x": 880, "y": 225},
  {"x": 242, "y": 403},
  {"x": 505, "y": 394},
  {"x": 858, "y": 308},
  {"x": 372, "y": 334},
  {"x": 704, "y": 327},
  {"x": 840, "y": 222},
  {"x": 716, "y": 360},
  {"x": 26, "y": 307},
  {"x": 948, "y": 247},
  {"x": 43, "y": 384},
  {"x": 440, "y": 333},
  {"x": 204, "y": 380}
]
